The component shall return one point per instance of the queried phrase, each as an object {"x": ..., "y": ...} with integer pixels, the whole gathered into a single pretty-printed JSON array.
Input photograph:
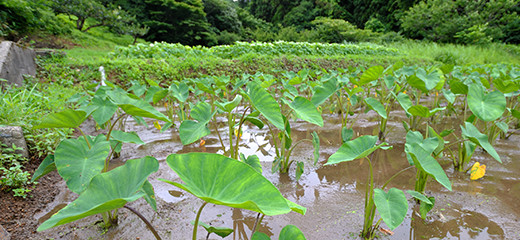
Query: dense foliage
[{"x": 212, "y": 22}]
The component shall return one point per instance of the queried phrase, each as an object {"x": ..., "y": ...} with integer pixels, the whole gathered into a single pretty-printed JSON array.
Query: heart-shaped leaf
[
  {"x": 323, "y": 92},
  {"x": 370, "y": 75},
  {"x": 104, "y": 109},
  {"x": 107, "y": 191},
  {"x": 487, "y": 107},
  {"x": 392, "y": 206},
  {"x": 224, "y": 181},
  {"x": 289, "y": 232},
  {"x": 191, "y": 131},
  {"x": 180, "y": 92},
  {"x": 126, "y": 137},
  {"x": 77, "y": 164}
]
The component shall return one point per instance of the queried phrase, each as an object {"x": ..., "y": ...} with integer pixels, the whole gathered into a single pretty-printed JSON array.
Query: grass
[{"x": 460, "y": 54}]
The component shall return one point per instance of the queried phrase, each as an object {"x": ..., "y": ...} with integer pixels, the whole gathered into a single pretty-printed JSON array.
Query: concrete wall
[{"x": 15, "y": 61}]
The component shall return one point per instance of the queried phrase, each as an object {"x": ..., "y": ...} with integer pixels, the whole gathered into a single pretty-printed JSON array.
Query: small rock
[
  {"x": 10, "y": 135},
  {"x": 4, "y": 235}
]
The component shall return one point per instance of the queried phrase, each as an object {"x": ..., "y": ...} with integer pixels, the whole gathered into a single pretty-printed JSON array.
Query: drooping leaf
[
  {"x": 474, "y": 135},
  {"x": 77, "y": 164},
  {"x": 424, "y": 161},
  {"x": 266, "y": 104},
  {"x": 355, "y": 149},
  {"x": 316, "y": 145},
  {"x": 392, "y": 206},
  {"x": 224, "y": 181},
  {"x": 487, "y": 107},
  {"x": 221, "y": 231},
  {"x": 126, "y": 137},
  {"x": 299, "y": 170},
  {"x": 419, "y": 196},
  {"x": 417, "y": 83},
  {"x": 306, "y": 111},
  {"x": 107, "y": 191},
  {"x": 66, "y": 119},
  {"x": 45, "y": 167},
  {"x": 149, "y": 194},
  {"x": 375, "y": 105}
]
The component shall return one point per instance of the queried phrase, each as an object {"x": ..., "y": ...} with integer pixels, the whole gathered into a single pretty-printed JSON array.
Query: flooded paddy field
[{"x": 488, "y": 208}]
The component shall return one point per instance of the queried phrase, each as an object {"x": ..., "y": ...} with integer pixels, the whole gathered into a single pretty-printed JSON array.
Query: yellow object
[
  {"x": 238, "y": 134},
  {"x": 157, "y": 125},
  {"x": 477, "y": 171}
]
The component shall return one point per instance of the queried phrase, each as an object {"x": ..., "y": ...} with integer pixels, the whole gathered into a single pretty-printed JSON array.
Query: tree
[
  {"x": 179, "y": 21},
  {"x": 111, "y": 16}
]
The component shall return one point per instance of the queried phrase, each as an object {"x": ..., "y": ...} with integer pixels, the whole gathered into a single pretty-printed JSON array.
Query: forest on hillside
[{"x": 215, "y": 22}]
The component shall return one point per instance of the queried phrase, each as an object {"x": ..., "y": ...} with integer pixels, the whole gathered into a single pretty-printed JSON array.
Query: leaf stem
[
  {"x": 196, "y": 225},
  {"x": 148, "y": 224}
]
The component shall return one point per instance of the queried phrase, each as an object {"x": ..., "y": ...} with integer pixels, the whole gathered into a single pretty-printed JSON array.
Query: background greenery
[{"x": 212, "y": 22}]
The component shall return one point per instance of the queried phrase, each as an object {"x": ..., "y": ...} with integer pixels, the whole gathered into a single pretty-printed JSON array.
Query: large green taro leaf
[
  {"x": 180, "y": 92},
  {"x": 289, "y": 232},
  {"x": 375, "y": 105},
  {"x": 392, "y": 206},
  {"x": 424, "y": 161},
  {"x": 65, "y": 119},
  {"x": 306, "y": 110},
  {"x": 322, "y": 92},
  {"x": 104, "y": 109},
  {"x": 45, "y": 167},
  {"x": 355, "y": 149},
  {"x": 107, "y": 191},
  {"x": 191, "y": 131},
  {"x": 487, "y": 107},
  {"x": 224, "y": 181},
  {"x": 136, "y": 107},
  {"x": 473, "y": 134},
  {"x": 371, "y": 74},
  {"x": 77, "y": 164},
  {"x": 265, "y": 104}
]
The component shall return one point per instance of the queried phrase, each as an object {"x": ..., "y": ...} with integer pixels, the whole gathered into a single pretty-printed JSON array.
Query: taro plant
[
  {"x": 220, "y": 180},
  {"x": 84, "y": 162},
  {"x": 391, "y": 205},
  {"x": 301, "y": 107}
]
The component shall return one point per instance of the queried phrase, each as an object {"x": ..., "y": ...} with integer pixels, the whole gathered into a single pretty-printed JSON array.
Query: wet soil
[
  {"x": 488, "y": 208},
  {"x": 17, "y": 214}
]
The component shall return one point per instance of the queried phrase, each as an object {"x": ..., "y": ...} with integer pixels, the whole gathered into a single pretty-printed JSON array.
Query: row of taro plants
[{"x": 486, "y": 97}]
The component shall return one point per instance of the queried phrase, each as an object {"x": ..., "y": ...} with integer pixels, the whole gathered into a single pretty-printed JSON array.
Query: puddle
[{"x": 485, "y": 209}]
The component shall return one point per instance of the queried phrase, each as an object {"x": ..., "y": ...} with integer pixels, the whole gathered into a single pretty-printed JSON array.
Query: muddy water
[{"x": 485, "y": 209}]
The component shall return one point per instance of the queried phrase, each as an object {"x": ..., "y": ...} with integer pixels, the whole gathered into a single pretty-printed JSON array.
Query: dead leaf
[{"x": 477, "y": 171}]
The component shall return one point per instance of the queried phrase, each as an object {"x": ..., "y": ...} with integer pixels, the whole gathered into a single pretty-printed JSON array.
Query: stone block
[
  {"x": 10, "y": 135},
  {"x": 16, "y": 61}
]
